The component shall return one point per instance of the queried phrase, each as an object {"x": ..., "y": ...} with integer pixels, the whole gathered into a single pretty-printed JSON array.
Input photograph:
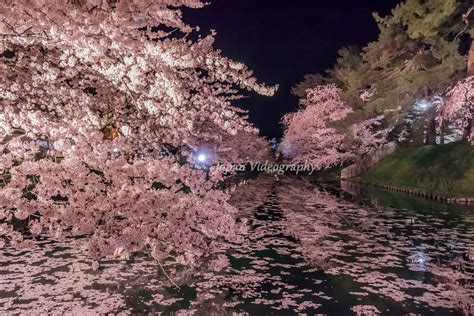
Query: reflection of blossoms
[
  {"x": 347, "y": 240},
  {"x": 36, "y": 227},
  {"x": 351, "y": 242},
  {"x": 366, "y": 310},
  {"x": 220, "y": 263},
  {"x": 302, "y": 241}
]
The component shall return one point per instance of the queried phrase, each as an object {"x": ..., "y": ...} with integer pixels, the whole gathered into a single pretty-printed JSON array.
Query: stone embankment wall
[{"x": 363, "y": 165}]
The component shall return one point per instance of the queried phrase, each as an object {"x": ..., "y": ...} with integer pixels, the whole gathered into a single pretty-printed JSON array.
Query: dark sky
[{"x": 282, "y": 40}]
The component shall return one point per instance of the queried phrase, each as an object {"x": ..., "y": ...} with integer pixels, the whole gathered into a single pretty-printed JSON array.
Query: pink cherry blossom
[{"x": 458, "y": 106}]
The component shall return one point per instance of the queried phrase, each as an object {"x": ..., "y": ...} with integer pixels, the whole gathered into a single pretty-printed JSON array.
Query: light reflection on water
[{"x": 311, "y": 248}]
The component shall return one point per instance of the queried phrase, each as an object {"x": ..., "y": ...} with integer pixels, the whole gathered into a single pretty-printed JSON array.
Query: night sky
[{"x": 282, "y": 41}]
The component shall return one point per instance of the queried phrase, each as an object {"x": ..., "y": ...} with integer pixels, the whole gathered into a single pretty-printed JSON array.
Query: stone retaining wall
[{"x": 363, "y": 165}]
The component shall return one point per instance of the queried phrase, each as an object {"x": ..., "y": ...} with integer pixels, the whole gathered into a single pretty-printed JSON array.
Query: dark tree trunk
[
  {"x": 442, "y": 133},
  {"x": 431, "y": 132},
  {"x": 468, "y": 128}
]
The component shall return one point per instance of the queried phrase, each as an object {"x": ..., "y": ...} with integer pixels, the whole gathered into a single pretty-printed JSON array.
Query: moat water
[{"x": 312, "y": 247}]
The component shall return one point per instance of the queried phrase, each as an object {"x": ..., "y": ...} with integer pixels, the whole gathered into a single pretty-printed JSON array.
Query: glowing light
[
  {"x": 419, "y": 260},
  {"x": 423, "y": 105},
  {"x": 125, "y": 130},
  {"x": 286, "y": 149},
  {"x": 202, "y": 157},
  {"x": 43, "y": 144}
]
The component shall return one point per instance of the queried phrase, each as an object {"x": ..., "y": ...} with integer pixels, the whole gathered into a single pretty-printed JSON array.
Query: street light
[{"x": 202, "y": 157}]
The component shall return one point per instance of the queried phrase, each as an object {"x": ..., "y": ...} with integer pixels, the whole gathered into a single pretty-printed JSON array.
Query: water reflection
[{"x": 310, "y": 248}]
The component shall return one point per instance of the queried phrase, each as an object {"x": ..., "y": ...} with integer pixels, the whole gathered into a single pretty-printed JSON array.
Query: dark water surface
[{"x": 311, "y": 248}]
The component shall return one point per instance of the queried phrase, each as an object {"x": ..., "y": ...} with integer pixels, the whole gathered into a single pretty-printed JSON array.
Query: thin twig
[
  {"x": 166, "y": 274},
  {"x": 465, "y": 18}
]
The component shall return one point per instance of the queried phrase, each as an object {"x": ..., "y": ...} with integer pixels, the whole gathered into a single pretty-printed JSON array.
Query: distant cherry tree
[
  {"x": 91, "y": 94},
  {"x": 318, "y": 134},
  {"x": 310, "y": 136}
]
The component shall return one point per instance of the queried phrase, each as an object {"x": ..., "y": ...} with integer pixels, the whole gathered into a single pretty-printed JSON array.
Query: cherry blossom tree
[
  {"x": 319, "y": 133},
  {"x": 91, "y": 93},
  {"x": 457, "y": 108},
  {"x": 309, "y": 136},
  {"x": 367, "y": 136}
]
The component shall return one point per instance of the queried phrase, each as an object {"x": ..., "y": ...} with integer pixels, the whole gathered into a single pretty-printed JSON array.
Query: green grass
[{"x": 447, "y": 170}]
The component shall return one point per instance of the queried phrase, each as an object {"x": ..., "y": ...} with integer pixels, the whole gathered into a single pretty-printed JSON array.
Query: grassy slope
[{"x": 447, "y": 169}]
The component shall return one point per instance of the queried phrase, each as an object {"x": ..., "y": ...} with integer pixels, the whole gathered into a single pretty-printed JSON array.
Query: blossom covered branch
[{"x": 93, "y": 93}]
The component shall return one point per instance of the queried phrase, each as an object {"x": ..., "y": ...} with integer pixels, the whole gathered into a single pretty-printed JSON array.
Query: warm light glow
[{"x": 202, "y": 157}]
